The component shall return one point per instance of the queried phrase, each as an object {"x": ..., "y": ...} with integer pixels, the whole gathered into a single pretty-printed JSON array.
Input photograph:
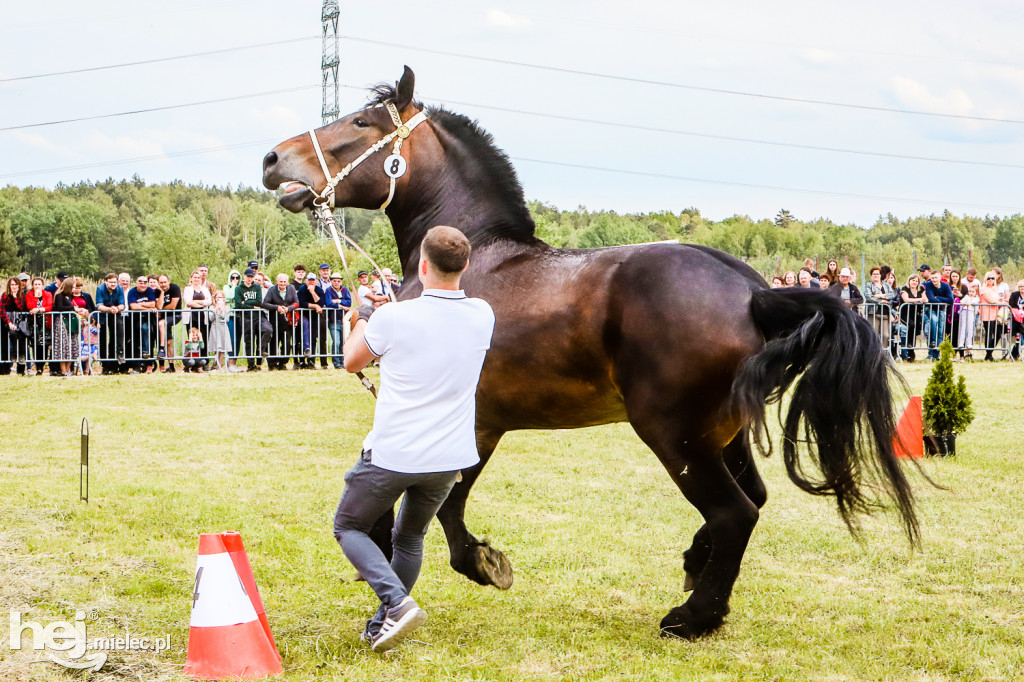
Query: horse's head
[{"x": 352, "y": 170}]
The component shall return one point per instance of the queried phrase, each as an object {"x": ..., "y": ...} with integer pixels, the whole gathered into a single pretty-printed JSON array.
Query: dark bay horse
[{"x": 685, "y": 343}]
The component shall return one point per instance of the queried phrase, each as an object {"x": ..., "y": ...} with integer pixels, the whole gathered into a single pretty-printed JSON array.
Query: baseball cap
[
  {"x": 311, "y": 276},
  {"x": 923, "y": 268},
  {"x": 62, "y": 275},
  {"x": 24, "y": 277},
  {"x": 249, "y": 272},
  {"x": 253, "y": 264},
  {"x": 323, "y": 265},
  {"x": 362, "y": 272}
]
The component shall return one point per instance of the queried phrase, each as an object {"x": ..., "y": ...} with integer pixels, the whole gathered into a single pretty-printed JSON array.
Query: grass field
[{"x": 594, "y": 529}]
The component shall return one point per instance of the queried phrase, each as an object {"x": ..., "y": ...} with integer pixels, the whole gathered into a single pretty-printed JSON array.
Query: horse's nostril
[{"x": 269, "y": 160}]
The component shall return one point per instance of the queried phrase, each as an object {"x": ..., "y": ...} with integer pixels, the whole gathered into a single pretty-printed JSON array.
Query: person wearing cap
[
  {"x": 846, "y": 290},
  {"x": 254, "y": 265},
  {"x": 338, "y": 303},
  {"x": 325, "y": 277},
  {"x": 314, "y": 332},
  {"x": 248, "y": 305},
  {"x": 281, "y": 300},
  {"x": 142, "y": 300},
  {"x": 940, "y": 297},
  {"x": 431, "y": 351},
  {"x": 364, "y": 291},
  {"x": 53, "y": 286}
]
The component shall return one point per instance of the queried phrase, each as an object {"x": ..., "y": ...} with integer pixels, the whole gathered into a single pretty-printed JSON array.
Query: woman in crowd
[
  {"x": 1017, "y": 320},
  {"x": 832, "y": 271},
  {"x": 13, "y": 343},
  {"x": 989, "y": 313},
  {"x": 877, "y": 297},
  {"x": 66, "y": 327},
  {"x": 953, "y": 313},
  {"x": 196, "y": 299},
  {"x": 39, "y": 302},
  {"x": 90, "y": 336},
  {"x": 776, "y": 282},
  {"x": 968, "y": 319},
  {"x": 789, "y": 279},
  {"x": 1004, "y": 288},
  {"x": 912, "y": 297},
  {"x": 220, "y": 331}
]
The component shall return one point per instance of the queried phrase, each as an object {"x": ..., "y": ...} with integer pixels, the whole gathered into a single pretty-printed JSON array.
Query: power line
[
  {"x": 163, "y": 108},
  {"x": 681, "y": 86},
  {"x": 156, "y": 60},
  {"x": 748, "y": 185}
]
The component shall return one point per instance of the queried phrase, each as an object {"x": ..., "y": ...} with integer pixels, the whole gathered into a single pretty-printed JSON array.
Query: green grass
[{"x": 593, "y": 526}]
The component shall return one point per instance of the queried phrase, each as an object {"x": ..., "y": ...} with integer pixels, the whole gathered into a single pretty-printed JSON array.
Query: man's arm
[{"x": 357, "y": 353}]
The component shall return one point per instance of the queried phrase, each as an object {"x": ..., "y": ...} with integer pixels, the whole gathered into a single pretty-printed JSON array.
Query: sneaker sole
[{"x": 402, "y": 629}]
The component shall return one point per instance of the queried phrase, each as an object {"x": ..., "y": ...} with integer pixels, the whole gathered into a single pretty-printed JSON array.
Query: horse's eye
[{"x": 361, "y": 123}]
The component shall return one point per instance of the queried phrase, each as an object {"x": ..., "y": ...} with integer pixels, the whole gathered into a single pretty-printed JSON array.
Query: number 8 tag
[{"x": 394, "y": 166}]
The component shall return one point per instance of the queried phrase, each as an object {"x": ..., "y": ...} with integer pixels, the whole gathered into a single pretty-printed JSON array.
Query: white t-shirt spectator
[{"x": 431, "y": 349}]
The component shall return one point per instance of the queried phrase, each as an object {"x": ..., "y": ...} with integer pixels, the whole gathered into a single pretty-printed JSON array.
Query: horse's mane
[{"x": 502, "y": 177}]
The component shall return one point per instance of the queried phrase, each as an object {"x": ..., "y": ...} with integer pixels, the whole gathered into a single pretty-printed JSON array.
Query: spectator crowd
[
  {"x": 972, "y": 313},
  {"x": 150, "y": 323}
]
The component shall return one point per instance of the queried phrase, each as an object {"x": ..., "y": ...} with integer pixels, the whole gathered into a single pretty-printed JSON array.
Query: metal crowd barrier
[
  {"x": 47, "y": 338},
  {"x": 142, "y": 338},
  {"x": 984, "y": 327}
]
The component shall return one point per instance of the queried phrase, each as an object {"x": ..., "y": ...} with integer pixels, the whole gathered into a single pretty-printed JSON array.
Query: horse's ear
[{"x": 405, "y": 89}]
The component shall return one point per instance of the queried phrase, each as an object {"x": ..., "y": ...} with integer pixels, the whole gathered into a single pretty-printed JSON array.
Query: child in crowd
[
  {"x": 193, "y": 356},
  {"x": 90, "y": 353},
  {"x": 220, "y": 332},
  {"x": 968, "y": 318}
]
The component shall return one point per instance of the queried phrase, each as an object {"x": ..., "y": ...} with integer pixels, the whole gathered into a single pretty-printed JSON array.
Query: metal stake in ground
[{"x": 83, "y": 467}]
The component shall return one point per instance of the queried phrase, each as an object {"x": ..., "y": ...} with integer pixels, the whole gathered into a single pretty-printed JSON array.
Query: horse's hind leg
[
  {"x": 476, "y": 560},
  {"x": 740, "y": 461}
]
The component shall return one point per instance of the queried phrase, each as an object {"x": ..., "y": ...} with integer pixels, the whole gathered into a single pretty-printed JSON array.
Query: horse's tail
[{"x": 842, "y": 399}]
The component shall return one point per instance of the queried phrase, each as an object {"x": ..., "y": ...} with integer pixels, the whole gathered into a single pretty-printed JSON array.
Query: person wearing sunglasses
[
  {"x": 234, "y": 331},
  {"x": 989, "y": 313}
]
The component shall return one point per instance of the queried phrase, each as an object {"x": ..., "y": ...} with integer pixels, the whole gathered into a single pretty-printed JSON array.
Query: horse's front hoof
[
  {"x": 492, "y": 567},
  {"x": 681, "y": 623}
]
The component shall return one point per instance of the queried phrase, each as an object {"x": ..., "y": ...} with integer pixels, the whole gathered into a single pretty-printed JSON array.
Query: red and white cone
[{"x": 229, "y": 635}]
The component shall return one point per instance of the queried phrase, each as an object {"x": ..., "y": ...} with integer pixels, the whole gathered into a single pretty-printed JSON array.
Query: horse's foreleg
[
  {"x": 738, "y": 459},
  {"x": 476, "y": 560}
]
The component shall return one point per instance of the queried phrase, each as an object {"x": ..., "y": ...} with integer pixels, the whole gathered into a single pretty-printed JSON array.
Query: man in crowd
[
  {"x": 281, "y": 301},
  {"x": 168, "y": 302},
  {"x": 423, "y": 423},
  {"x": 142, "y": 301},
  {"x": 204, "y": 273},
  {"x": 248, "y": 304},
  {"x": 946, "y": 270},
  {"x": 940, "y": 297},
  {"x": 298, "y": 282},
  {"x": 53, "y": 287},
  {"x": 364, "y": 291},
  {"x": 314, "y": 332},
  {"x": 110, "y": 302},
  {"x": 339, "y": 302},
  {"x": 846, "y": 290},
  {"x": 325, "y": 276}
]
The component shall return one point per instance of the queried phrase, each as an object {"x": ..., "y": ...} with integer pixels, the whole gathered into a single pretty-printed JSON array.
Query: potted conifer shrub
[{"x": 946, "y": 405}]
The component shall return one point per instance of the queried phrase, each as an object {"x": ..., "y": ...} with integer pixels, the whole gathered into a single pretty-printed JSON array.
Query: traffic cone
[
  {"x": 909, "y": 440},
  {"x": 229, "y": 636}
]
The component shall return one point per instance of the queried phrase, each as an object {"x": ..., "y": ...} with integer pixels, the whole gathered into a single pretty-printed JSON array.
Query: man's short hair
[
  {"x": 299, "y": 267},
  {"x": 446, "y": 248},
  {"x": 109, "y": 275},
  {"x": 972, "y": 271}
]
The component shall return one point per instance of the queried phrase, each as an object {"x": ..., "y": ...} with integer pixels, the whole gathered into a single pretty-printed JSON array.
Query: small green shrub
[{"x": 947, "y": 407}]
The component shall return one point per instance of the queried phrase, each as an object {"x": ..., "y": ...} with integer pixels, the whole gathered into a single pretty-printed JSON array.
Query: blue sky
[{"x": 953, "y": 58}]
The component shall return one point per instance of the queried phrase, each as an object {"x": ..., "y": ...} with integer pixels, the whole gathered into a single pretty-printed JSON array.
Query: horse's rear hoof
[
  {"x": 492, "y": 567},
  {"x": 681, "y": 623}
]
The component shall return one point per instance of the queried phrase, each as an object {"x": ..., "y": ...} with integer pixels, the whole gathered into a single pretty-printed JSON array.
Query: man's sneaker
[
  {"x": 120, "y": 358},
  {"x": 366, "y": 635},
  {"x": 399, "y": 623},
  {"x": 161, "y": 353},
  {"x": 307, "y": 353},
  {"x": 265, "y": 353}
]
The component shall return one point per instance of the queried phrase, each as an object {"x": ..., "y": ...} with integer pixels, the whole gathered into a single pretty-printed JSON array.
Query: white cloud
[
  {"x": 37, "y": 141},
  {"x": 819, "y": 57},
  {"x": 276, "y": 118},
  {"x": 506, "y": 20},
  {"x": 915, "y": 95},
  {"x": 121, "y": 147}
]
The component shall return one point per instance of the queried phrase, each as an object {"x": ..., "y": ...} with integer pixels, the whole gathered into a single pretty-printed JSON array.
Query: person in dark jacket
[
  {"x": 281, "y": 301},
  {"x": 846, "y": 290},
  {"x": 339, "y": 302},
  {"x": 940, "y": 298},
  {"x": 1016, "y": 304},
  {"x": 312, "y": 300},
  {"x": 110, "y": 302},
  {"x": 248, "y": 305}
]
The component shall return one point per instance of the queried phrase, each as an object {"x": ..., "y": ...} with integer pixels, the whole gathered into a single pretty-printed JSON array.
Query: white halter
[{"x": 394, "y": 165}]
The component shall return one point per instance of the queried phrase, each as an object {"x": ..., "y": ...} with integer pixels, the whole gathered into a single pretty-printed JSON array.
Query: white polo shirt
[{"x": 431, "y": 349}]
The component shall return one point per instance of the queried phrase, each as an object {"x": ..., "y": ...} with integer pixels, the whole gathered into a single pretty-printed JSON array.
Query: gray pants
[{"x": 371, "y": 491}]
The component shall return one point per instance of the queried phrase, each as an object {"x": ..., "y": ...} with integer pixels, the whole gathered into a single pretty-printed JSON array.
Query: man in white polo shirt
[{"x": 431, "y": 350}]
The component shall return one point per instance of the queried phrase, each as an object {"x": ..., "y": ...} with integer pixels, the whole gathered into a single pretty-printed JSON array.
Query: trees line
[{"x": 93, "y": 228}]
